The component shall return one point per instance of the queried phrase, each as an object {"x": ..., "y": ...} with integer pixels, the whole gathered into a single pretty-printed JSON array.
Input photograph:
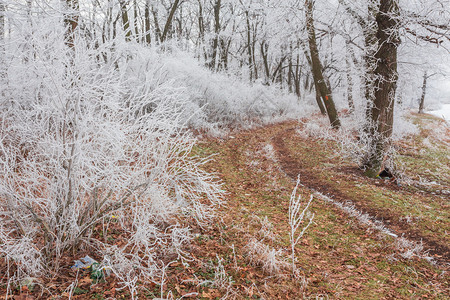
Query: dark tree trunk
[
  {"x": 2, "y": 20},
  {"x": 290, "y": 71},
  {"x": 316, "y": 66},
  {"x": 148, "y": 39},
  {"x": 225, "y": 49},
  {"x": 424, "y": 89},
  {"x": 382, "y": 112},
  {"x": 125, "y": 20},
  {"x": 168, "y": 24},
  {"x": 135, "y": 16},
  {"x": 323, "y": 111},
  {"x": 212, "y": 64},
  {"x": 249, "y": 47},
  {"x": 369, "y": 30},
  {"x": 264, "y": 55},
  {"x": 297, "y": 76},
  {"x": 71, "y": 21},
  {"x": 157, "y": 28}
]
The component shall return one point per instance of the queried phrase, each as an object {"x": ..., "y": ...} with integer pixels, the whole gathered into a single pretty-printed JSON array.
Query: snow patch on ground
[{"x": 443, "y": 113}]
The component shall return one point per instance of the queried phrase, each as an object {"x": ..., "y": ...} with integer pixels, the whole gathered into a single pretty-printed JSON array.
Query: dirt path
[{"x": 292, "y": 165}]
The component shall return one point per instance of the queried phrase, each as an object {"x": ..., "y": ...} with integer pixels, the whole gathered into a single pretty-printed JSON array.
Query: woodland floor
[{"x": 338, "y": 257}]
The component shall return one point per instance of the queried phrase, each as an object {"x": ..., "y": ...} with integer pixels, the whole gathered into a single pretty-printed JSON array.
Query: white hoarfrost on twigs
[
  {"x": 296, "y": 216},
  {"x": 216, "y": 102},
  {"x": 86, "y": 142},
  {"x": 353, "y": 139}
]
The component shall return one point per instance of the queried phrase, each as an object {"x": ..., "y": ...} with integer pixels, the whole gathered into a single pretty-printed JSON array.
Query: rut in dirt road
[{"x": 293, "y": 167}]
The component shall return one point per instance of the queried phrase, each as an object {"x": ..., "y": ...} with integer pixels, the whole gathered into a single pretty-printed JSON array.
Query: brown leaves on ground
[{"x": 337, "y": 258}]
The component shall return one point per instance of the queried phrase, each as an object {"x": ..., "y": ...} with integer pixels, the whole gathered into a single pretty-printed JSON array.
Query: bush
[{"x": 83, "y": 144}]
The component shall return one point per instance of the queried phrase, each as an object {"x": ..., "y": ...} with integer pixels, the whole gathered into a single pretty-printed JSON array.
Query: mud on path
[{"x": 292, "y": 164}]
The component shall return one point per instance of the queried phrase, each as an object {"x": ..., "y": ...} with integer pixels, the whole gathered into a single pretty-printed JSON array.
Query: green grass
[{"x": 334, "y": 241}]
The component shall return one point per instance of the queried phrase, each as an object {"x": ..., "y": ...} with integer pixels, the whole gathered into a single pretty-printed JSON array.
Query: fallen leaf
[
  {"x": 350, "y": 266},
  {"x": 85, "y": 281}
]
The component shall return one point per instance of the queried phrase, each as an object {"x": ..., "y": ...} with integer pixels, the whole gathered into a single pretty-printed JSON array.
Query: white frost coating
[
  {"x": 443, "y": 112},
  {"x": 87, "y": 144},
  {"x": 407, "y": 248}
]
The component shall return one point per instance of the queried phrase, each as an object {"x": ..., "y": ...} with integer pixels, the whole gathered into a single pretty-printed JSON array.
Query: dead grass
[{"x": 338, "y": 258}]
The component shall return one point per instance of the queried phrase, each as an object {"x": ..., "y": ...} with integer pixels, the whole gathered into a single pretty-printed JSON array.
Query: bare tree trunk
[
  {"x": 135, "y": 16},
  {"x": 157, "y": 28},
  {"x": 3, "y": 74},
  {"x": 255, "y": 66},
  {"x": 369, "y": 29},
  {"x": 249, "y": 47},
  {"x": 2, "y": 20},
  {"x": 212, "y": 64},
  {"x": 278, "y": 69},
  {"x": 382, "y": 112},
  {"x": 71, "y": 21},
  {"x": 169, "y": 20},
  {"x": 351, "y": 104},
  {"x": 290, "y": 71},
  {"x": 316, "y": 66},
  {"x": 323, "y": 111},
  {"x": 225, "y": 49},
  {"x": 297, "y": 76},
  {"x": 125, "y": 20},
  {"x": 424, "y": 89},
  {"x": 264, "y": 55},
  {"x": 148, "y": 39},
  {"x": 370, "y": 62}
]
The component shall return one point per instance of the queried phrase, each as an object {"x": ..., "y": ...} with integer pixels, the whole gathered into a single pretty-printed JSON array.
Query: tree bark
[
  {"x": 157, "y": 28},
  {"x": 3, "y": 73},
  {"x": 382, "y": 112},
  {"x": 148, "y": 39},
  {"x": 249, "y": 47},
  {"x": 351, "y": 104},
  {"x": 71, "y": 21},
  {"x": 169, "y": 20},
  {"x": 369, "y": 30},
  {"x": 125, "y": 20},
  {"x": 135, "y": 19},
  {"x": 2, "y": 20},
  {"x": 323, "y": 111},
  {"x": 297, "y": 76},
  {"x": 424, "y": 89},
  {"x": 264, "y": 55},
  {"x": 212, "y": 64},
  {"x": 316, "y": 66}
]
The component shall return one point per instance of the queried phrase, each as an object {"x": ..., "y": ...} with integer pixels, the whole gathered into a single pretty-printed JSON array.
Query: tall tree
[
  {"x": 215, "y": 45},
  {"x": 168, "y": 24},
  {"x": 316, "y": 68},
  {"x": 424, "y": 89},
  {"x": 148, "y": 39},
  {"x": 368, "y": 26},
  {"x": 351, "y": 104},
  {"x": 125, "y": 19},
  {"x": 382, "y": 112}
]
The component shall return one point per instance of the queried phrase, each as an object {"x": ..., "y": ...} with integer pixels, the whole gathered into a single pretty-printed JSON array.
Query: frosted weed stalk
[
  {"x": 268, "y": 258},
  {"x": 81, "y": 142},
  {"x": 296, "y": 216}
]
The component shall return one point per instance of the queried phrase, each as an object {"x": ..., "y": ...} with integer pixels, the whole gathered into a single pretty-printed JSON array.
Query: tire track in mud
[{"x": 293, "y": 167}]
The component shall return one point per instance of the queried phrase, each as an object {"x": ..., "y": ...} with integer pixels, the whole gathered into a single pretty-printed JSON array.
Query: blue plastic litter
[{"x": 84, "y": 263}]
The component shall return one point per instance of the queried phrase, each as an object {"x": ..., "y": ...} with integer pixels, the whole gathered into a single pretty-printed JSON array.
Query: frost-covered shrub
[
  {"x": 83, "y": 144},
  {"x": 354, "y": 140},
  {"x": 216, "y": 101}
]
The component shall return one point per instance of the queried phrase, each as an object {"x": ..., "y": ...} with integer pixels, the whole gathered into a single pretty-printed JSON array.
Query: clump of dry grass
[{"x": 262, "y": 255}]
